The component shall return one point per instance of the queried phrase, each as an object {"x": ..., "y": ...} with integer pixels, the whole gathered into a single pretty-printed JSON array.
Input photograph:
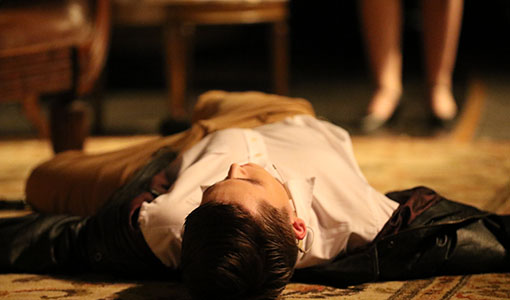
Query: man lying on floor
[{"x": 266, "y": 193}]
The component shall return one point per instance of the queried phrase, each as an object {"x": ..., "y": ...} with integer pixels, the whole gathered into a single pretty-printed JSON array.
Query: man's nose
[{"x": 235, "y": 171}]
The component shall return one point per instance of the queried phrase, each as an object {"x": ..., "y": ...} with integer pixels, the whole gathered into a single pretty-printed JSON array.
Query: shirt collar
[{"x": 300, "y": 191}]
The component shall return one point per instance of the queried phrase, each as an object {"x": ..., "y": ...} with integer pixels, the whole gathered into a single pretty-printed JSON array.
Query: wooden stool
[{"x": 181, "y": 16}]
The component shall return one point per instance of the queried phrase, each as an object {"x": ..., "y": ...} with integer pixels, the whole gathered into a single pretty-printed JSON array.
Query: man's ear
[{"x": 299, "y": 227}]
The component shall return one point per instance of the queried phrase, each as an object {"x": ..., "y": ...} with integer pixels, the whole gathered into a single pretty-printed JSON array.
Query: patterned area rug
[
  {"x": 472, "y": 287},
  {"x": 476, "y": 173}
]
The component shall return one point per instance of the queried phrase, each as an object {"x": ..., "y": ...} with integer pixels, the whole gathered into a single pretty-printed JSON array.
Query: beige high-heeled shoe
[{"x": 443, "y": 107}]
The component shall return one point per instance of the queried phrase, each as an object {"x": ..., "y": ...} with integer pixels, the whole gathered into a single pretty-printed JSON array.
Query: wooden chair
[
  {"x": 56, "y": 48},
  {"x": 179, "y": 18}
]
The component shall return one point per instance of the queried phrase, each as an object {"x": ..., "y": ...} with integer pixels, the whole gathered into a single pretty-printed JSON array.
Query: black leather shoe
[{"x": 437, "y": 122}]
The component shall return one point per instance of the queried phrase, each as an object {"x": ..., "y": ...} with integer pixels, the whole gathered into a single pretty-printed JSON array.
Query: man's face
[{"x": 248, "y": 185}]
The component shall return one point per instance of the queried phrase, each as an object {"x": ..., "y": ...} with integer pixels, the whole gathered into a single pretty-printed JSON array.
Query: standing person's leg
[
  {"x": 442, "y": 21},
  {"x": 381, "y": 24}
]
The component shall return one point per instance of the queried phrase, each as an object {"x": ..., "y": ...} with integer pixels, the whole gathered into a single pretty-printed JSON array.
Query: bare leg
[
  {"x": 442, "y": 21},
  {"x": 381, "y": 23}
]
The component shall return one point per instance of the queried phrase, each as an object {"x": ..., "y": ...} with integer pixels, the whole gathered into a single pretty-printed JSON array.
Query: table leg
[
  {"x": 280, "y": 56},
  {"x": 69, "y": 124},
  {"x": 177, "y": 37}
]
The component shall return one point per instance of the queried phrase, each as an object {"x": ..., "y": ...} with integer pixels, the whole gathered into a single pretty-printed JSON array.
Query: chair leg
[
  {"x": 33, "y": 112},
  {"x": 280, "y": 56},
  {"x": 177, "y": 37},
  {"x": 69, "y": 126},
  {"x": 97, "y": 101}
]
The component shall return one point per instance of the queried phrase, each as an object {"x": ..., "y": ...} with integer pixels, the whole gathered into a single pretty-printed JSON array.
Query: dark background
[
  {"x": 325, "y": 42},
  {"x": 327, "y": 66}
]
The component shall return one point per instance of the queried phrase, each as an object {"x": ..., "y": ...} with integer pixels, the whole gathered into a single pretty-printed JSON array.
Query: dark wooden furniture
[
  {"x": 57, "y": 48},
  {"x": 181, "y": 16}
]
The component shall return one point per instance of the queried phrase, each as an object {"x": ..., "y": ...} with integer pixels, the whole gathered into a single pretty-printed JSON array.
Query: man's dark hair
[{"x": 228, "y": 253}]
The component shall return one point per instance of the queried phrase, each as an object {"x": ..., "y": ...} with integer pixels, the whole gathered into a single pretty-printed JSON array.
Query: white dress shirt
[{"x": 312, "y": 158}]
